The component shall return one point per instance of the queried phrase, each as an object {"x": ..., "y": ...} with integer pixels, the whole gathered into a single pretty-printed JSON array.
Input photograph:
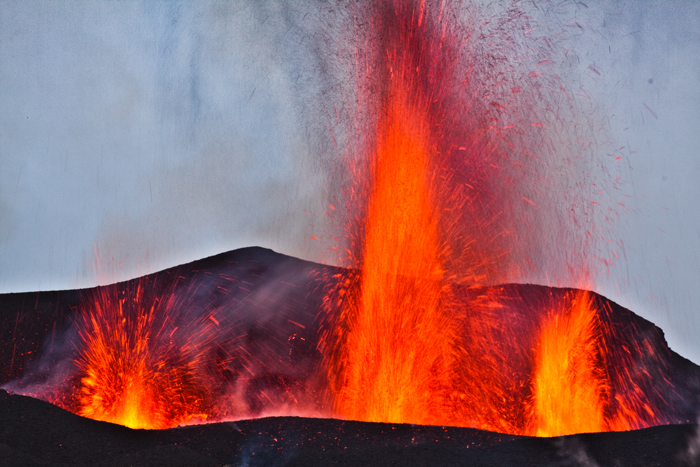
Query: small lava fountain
[{"x": 131, "y": 370}]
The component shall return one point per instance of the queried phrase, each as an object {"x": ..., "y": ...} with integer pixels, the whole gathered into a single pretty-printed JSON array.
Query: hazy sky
[{"x": 164, "y": 132}]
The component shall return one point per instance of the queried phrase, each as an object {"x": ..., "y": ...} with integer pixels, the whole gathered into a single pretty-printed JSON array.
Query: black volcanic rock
[{"x": 35, "y": 433}]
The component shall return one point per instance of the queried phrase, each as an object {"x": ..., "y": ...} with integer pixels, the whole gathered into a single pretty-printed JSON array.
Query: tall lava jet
[{"x": 454, "y": 142}]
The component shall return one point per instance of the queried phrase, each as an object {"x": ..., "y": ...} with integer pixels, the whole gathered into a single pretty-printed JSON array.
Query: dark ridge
[
  {"x": 29, "y": 321},
  {"x": 35, "y": 433}
]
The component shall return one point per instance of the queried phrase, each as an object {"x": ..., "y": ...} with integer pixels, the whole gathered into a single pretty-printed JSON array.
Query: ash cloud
[
  {"x": 164, "y": 132},
  {"x": 51, "y": 376}
]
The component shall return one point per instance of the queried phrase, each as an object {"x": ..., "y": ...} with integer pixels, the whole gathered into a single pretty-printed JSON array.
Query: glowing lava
[
  {"x": 396, "y": 349},
  {"x": 441, "y": 204},
  {"x": 570, "y": 384},
  {"x": 131, "y": 371},
  {"x": 401, "y": 341}
]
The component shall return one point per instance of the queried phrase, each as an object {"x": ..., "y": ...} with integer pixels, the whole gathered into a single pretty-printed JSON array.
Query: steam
[
  {"x": 185, "y": 130},
  {"x": 51, "y": 375},
  {"x": 691, "y": 456},
  {"x": 573, "y": 453}
]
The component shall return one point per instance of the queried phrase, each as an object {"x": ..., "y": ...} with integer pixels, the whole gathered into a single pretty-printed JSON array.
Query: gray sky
[
  {"x": 161, "y": 133},
  {"x": 650, "y": 84}
]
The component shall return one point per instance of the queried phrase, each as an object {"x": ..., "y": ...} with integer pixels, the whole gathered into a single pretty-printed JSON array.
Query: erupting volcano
[{"x": 467, "y": 159}]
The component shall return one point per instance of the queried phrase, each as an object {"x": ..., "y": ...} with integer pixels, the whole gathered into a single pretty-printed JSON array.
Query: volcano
[{"x": 237, "y": 337}]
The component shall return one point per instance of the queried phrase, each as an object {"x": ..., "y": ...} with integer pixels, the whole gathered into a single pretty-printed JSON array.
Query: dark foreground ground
[{"x": 36, "y": 433}]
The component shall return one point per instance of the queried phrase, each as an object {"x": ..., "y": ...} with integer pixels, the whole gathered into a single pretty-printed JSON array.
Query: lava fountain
[
  {"x": 405, "y": 348},
  {"x": 400, "y": 344},
  {"x": 231, "y": 338},
  {"x": 570, "y": 386},
  {"x": 396, "y": 351},
  {"x": 131, "y": 371}
]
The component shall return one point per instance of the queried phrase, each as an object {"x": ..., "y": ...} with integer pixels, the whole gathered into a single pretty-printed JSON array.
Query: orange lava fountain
[
  {"x": 570, "y": 386},
  {"x": 572, "y": 381},
  {"x": 396, "y": 352},
  {"x": 131, "y": 374},
  {"x": 400, "y": 342}
]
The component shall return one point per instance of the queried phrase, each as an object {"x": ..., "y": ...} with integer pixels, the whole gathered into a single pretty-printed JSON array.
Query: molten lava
[
  {"x": 570, "y": 386},
  {"x": 399, "y": 352},
  {"x": 131, "y": 371}
]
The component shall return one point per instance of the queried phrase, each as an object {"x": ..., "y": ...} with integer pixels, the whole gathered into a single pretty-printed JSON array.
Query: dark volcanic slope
[
  {"x": 35, "y": 433},
  {"x": 248, "y": 282},
  {"x": 273, "y": 306}
]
